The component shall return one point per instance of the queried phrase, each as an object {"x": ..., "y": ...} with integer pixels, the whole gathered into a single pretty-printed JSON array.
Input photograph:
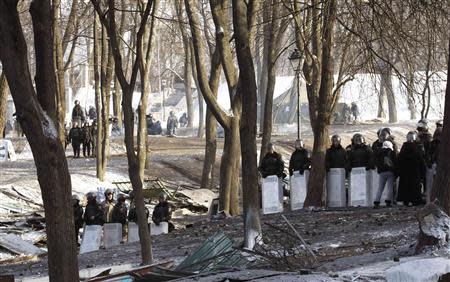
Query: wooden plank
[{"x": 16, "y": 245}]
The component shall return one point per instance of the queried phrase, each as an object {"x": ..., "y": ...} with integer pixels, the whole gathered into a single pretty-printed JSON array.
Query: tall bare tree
[
  {"x": 37, "y": 114},
  {"x": 136, "y": 160},
  {"x": 4, "y": 92}
]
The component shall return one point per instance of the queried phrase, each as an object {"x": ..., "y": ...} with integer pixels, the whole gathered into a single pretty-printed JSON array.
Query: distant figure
[
  {"x": 411, "y": 170},
  {"x": 93, "y": 128},
  {"x": 183, "y": 120},
  {"x": 77, "y": 214},
  {"x": 76, "y": 138},
  {"x": 346, "y": 114},
  {"x": 272, "y": 163},
  {"x": 86, "y": 140},
  {"x": 78, "y": 113},
  {"x": 163, "y": 212},
  {"x": 132, "y": 215},
  {"x": 93, "y": 214},
  {"x": 92, "y": 113},
  {"x": 355, "y": 111},
  {"x": 300, "y": 159},
  {"x": 108, "y": 205},
  {"x": 115, "y": 127},
  {"x": 335, "y": 156},
  {"x": 172, "y": 124}
]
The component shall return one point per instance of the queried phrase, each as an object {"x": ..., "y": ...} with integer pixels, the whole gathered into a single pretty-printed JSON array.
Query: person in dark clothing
[
  {"x": 78, "y": 113},
  {"x": 92, "y": 113},
  {"x": 434, "y": 147},
  {"x": 272, "y": 163},
  {"x": 163, "y": 212},
  {"x": 77, "y": 215},
  {"x": 93, "y": 214},
  {"x": 183, "y": 120},
  {"x": 411, "y": 170},
  {"x": 423, "y": 138},
  {"x": 383, "y": 134},
  {"x": 300, "y": 159},
  {"x": 119, "y": 212},
  {"x": 172, "y": 124},
  {"x": 132, "y": 214},
  {"x": 86, "y": 140},
  {"x": 93, "y": 128},
  {"x": 359, "y": 154},
  {"x": 336, "y": 155},
  {"x": 385, "y": 160},
  {"x": 355, "y": 111},
  {"x": 76, "y": 138}
]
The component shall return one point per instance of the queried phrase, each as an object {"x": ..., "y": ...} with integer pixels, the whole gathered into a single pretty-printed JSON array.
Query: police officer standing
[
  {"x": 76, "y": 138},
  {"x": 300, "y": 159},
  {"x": 336, "y": 155},
  {"x": 78, "y": 215},
  {"x": 108, "y": 205},
  {"x": 359, "y": 154},
  {"x": 93, "y": 214},
  {"x": 272, "y": 163}
]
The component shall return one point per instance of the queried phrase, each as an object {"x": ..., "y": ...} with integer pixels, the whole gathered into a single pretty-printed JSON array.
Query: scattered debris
[
  {"x": 434, "y": 227},
  {"x": 16, "y": 245},
  {"x": 419, "y": 270}
]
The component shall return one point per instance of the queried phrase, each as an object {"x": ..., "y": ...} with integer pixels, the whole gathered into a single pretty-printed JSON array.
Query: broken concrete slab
[
  {"x": 422, "y": 270},
  {"x": 92, "y": 238},
  {"x": 112, "y": 234},
  {"x": 16, "y": 245}
]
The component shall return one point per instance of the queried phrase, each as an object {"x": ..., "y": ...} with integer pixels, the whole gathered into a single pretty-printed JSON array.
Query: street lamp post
[{"x": 294, "y": 59}]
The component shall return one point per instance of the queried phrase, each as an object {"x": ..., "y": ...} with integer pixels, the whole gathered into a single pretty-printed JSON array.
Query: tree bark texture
[
  {"x": 36, "y": 112},
  {"x": 98, "y": 99},
  {"x": 386, "y": 83},
  {"x": 134, "y": 163},
  {"x": 441, "y": 184},
  {"x": 248, "y": 90},
  {"x": 410, "y": 93},
  {"x": 4, "y": 91},
  {"x": 381, "y": 100}
]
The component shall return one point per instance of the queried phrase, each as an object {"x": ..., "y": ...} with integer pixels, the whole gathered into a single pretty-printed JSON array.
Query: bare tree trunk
[
  {"x": 210, "y": 150},
  {"x": 247, "y": 89},
  {"x": 201, "y": 110},
  {"x": 36, "y": 112},
  {"x": 59, "y": 63},
  {"x": 410, "y": 93},
  {"x": 98, "y": 100},
  {"x": 382, "y": 100},
  {"x": 387, "y": 84},
  {"x": 4, "y": 91},
  {"x": 441, "y": 184}
]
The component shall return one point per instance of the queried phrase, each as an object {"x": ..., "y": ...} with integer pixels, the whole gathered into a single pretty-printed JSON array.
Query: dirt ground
[{"x": 341, "y": 238}]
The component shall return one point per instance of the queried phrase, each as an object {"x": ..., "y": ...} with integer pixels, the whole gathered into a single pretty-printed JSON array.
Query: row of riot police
[
  {"x": 419, "y": 153},
  {"x": 111, "y": 211},
  {"x": 82, "y": 136}
]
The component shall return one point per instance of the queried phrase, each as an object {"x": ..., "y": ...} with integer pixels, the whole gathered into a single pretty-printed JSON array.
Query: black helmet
[
  {"x": 440, "y": 123},
  {"x": 358, "y": 139},
  {"x": 163, "y": 196},
  {"x": 91, "y": 196},
  {"x": 270, "y": 146},
  {"x": 109, "y": 191},
  {"x": 411, "y": 136},
  {"x": 75, "y": 198},
  {"x": 121, "y": 197},
  {"x": 387, "y": 130},
  {"x": 335, "y": 139}
]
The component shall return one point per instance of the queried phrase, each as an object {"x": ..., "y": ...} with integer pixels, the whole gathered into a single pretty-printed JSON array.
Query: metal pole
[{"x": 299, "y": 120}]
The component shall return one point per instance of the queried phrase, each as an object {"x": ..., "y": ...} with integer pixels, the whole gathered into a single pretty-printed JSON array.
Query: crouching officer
[
  {"x": 163, "y": 212},
  {"x": 300, "y": 159},
  {"x": 78, "y": 215},
  {"x": 93, "y": 214}
]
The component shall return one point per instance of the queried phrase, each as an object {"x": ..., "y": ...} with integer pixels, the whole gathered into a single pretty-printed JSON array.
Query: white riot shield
[
  {"x": 271, "y": 195},
  {"x": 336, "y": 188},
  {"x": 299, "y": 188},
  {"x": 92, "y": 238},
  {"x": 360, "y": 184},
  {"x": 133, "y": 232},
  {"x": 162, "y": 228},
  {"x": 431, "y": 172},
  {"x": 112, "y": 234},
  {"x": 7, "y": 151}
]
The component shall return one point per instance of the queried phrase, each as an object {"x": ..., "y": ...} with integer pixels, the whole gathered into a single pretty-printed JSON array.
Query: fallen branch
[{"x": 300, "y": 237}]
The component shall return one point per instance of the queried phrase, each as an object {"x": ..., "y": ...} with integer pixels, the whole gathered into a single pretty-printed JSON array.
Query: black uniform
[
  {"x": 87, "y": 139},
  {"x": 132, "y": 215},
  {"x": 433, "y": 155},
  {"x": 93, "y": 215},
  {"x": 360, "y": 156},
  {"x": 385, "y": 160},
  {"x": 92, "y": 113},
  {"x": 272, "y": 164},
  {"x": 300, "y": 161},
  {"x": 78, "y": 114},
  {"x": 163, "y": 213},
  {"x": 424, "y": 139},
  {"x": 119, "y": 213},
  {"x": 377, "y": 145},
  {"x": 172, "y": 124},
  {"x": 76, "y": 138},
  {"x": 411, "y": 170},
  {"x": 78, "y": 218},
  {"x": 335, "y": 157}
]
